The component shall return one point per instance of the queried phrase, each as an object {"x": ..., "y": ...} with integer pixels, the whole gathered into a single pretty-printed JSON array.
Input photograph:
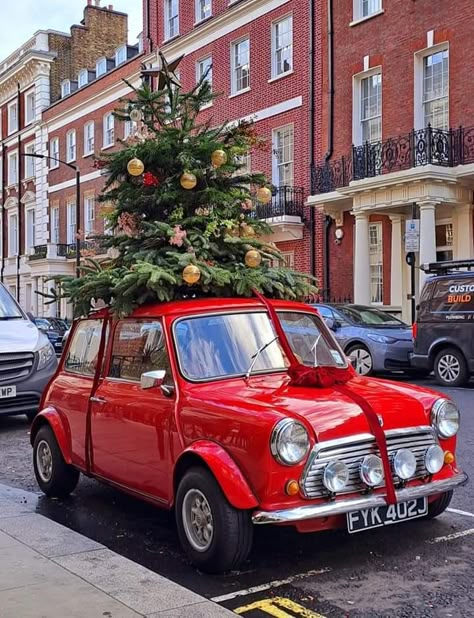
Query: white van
[{"x": 27, "y": 359}]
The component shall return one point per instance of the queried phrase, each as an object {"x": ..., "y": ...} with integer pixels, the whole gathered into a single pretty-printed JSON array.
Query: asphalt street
[{"x": 416, "y": 569}]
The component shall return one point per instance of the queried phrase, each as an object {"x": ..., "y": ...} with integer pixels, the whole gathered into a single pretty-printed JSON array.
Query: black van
[{"x": 444, "y": 330}]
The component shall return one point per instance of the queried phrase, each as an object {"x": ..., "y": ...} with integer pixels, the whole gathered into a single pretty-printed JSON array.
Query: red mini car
[{"x": 191, "y": 405}]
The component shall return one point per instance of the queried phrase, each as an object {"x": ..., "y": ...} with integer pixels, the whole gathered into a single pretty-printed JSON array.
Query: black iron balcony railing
[
  {"x": 96, "y": 246},
  {"x": 422, "y": 147},
  {"x": 286, "y": 201},
  {"x": 39, "y": 252}
]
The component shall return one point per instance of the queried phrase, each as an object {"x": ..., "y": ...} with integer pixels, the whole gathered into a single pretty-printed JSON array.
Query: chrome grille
[
  {"x": 353, "y": 450},
  {"x": 15, "y": 366}
]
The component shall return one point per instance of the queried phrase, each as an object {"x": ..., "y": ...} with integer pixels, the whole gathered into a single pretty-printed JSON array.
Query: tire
[
  {"x": 55, "y": 477},
  {"x": 438, "y": 506},
  {"x": 364, "y": 363},
  {"x": 228, "y": 543},
  {"x": 31, "y": 416},
  {"x": 450, "y": 368}
]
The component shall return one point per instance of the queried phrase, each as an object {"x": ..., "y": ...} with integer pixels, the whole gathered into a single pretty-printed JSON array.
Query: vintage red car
[{"x": 190, "y": 405}]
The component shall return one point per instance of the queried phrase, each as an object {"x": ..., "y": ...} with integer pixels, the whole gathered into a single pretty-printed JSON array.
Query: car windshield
[
  {"x": 367, "y": 316},
  {"x": 218, "y": 346},
  {"x": 44, "y": 323},
  {"x": 9, "y": 310}
]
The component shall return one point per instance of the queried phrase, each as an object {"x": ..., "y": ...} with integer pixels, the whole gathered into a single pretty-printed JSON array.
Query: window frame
[
  {"x": 30, "y": 114},
  {"x": 88, "y": 200},
  {"x": 357, "y": 103},
  {"x": 198, "y": 17},
  {"x": 30, "y": 162},
  {"x": 274, "y": 70},
  {"x": 55, "y": 225},
  {"x": 380, "y": 264},
  {"x": 101, "y": 62},
  {"x": 30, "y": 242},
  {"x": 12, "y": 155},
  {"x": 71, "y": 222},
  {"x": 276, "y": 165},
  {"x": 12, "y": 129},
  {"x": 65, "y": 88},
  {"x": 67, "y": 369},
  {"x": 53, "y": 164},
  {"x": 87, "y": 138},
  {"x": 358, "y": 11},
  {"x": 71, "y": 147},
  {"x": 82, "y": 83},
  {"x": 107, "y": 130},
  {"x": 121, "y": 48},
  {"x": 14, "y": 237},
  {"x": 169, "y": 18},
  {"x": 234, "y": 67},
  {"x": 418, "y": 67}
]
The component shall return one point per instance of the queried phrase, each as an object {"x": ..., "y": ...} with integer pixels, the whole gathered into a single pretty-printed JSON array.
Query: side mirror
[
  {"x": 331, "y": 323},
  {"x": 42, "y": 328},
  {"x": 152, "y": 379}
]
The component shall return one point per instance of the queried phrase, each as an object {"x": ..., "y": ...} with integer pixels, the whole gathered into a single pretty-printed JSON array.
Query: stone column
[
  {"x": 463, "y": 239},
  {"x": 427, "y": 236},
  {"x": 397, "y": 262},
  {"x": 362, "y": 294}
]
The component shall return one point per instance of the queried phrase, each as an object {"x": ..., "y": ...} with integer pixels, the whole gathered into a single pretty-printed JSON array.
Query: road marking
[
  {"x": 451, "y": 537},
  {"x": 276, "y": 607},
  {"x": 459, "y": 512},
  {"x": 274, "y": 584}
]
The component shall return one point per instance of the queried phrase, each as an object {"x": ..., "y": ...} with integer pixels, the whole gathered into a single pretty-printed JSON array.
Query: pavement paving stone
[
  {"x": 45, "y": 536},
  {"x": 20, "y": 566},
  {"x": 10, "y": 509},
  {"x": 134, "y": 585},
  {"x": 200, "y": 610},
  {"x": 7, "y": 541}
]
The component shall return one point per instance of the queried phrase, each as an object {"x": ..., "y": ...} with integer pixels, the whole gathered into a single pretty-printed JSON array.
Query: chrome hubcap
[
  {"x": 197, "y": 520},
  {"x": 363, "y": 361},
  {"x": 44, "y": 461},
  {"x": 449, "y": 368}
]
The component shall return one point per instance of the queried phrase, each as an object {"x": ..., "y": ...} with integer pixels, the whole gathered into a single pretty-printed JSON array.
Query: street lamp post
[{"x": 78, "y": 202}]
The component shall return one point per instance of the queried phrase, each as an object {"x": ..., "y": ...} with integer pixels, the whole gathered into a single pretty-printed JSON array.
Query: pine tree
[{"x": 183, "y": 209}]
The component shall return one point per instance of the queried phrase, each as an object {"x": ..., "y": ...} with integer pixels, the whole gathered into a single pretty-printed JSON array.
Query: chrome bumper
[{"x": 340, "y": 507}]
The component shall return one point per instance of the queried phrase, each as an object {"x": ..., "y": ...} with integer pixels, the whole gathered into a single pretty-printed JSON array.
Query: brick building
[
  {"x": 52, "y": 72},
  {"x": 398, "y": 135},
  {"x": 264, "y": 56}
]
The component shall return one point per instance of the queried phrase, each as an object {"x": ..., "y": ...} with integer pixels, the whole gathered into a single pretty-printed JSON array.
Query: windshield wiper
[
  {"x": 11, "y": 317},
  {"x": 257, "y": 354}
]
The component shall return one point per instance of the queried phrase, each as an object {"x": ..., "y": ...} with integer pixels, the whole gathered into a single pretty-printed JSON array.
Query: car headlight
[
  {"x": 381, "y": 338},
  {"x": 445, "y": 418},
  {"x": 335, "y": 476},
  {"x": 404, "y": 464},
  {"x": 371, "y": 470},
  {"x": 46, "y": 353},
  {"x": 290, "y": 442},
  {"x": 434, "y": 459}
]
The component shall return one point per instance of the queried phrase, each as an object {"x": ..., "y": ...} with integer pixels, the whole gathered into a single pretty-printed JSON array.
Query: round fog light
[
  {"x": 335, "y": 476},
  {"x": 404, "y": 464},
  {"x": 434, "y": 459},
  {"x": 448, "y": 457},
  {"x": 371, "y": 470}
]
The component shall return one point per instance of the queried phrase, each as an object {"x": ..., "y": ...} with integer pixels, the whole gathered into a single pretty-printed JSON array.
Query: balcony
[
  {"x": 39, "y": 253},
  {"x": 418, "y": 148},
  {"x": 67, "y": 250},
  {"x": 284, "y": 213}
]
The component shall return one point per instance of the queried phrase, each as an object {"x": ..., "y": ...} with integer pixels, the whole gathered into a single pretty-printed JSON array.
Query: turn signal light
[
  {"x": 292, "y": 488},
  {"x": 448, "y": 457}
]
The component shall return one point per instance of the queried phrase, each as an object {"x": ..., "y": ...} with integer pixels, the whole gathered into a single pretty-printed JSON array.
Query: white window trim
[
  {"x": 379, "y": 225},
  {"x": 166, "y": 15},
  {"x": 105, "y": 144},
  {"x": 28, "y": 93},
  {"x": 117, "y": 52},
  {"x": 53, "y": 238},
  {"x": 29, "y": 245},
  {"x": 88, "y": 153},
  {"x": 358, "y": 18},
  {"x": 98, "y": 63},
  {"x": 10, "y": 216},
  {"x": 418, "y": 58},
  {"x": 356, "y": 108},
  {"x": 87, "y": 200},
  {"x": 70, "y": 208},
  {"x": 64, "y": 83},
  {"x": 197, "y": 18},
  {"x": 10, "y": 155},
  {"x": 233, "y": 81},
  {"x": 82, "y": 72},
  {"x": 70, "y": 159},
  {"x": 198, "y": 76},
  {"x": 30, "y": 160},
  {"x": 52, "y": 163},
  {"x": 274, "y": 75},
  {"x": 275, "y": 179},
  {"x": 10, "y": 131}
]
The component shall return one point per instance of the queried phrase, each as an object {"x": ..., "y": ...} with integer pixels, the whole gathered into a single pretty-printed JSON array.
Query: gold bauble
[
  {"x": 264, "y": 195},
  {"x": 135, "y": 167},
  {"x": 191, "y": 274},
  {"x": 253, "y": 258},
  {"x": 107, "y": 209},
  {"x": 188, "y": 180},
  {"x": 136, "y": 115},
  {"x": 247, "y": 230},
  {"x": 218, "y": 158}
]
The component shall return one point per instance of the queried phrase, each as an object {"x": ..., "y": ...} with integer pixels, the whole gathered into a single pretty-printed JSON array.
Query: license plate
[
  {"x": 7, "y": 392},
  {"x": 357, "y": 521}
]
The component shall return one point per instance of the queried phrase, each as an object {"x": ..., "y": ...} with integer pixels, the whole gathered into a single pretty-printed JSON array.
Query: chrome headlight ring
[
  {"x": 289, "y": 442},
  {"x": 445, "y": 418}
]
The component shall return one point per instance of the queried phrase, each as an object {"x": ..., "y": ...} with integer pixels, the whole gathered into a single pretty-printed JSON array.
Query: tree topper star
[{"x": 166, "y": 72}]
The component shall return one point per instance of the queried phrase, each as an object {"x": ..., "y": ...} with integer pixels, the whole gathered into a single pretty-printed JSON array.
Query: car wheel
[
  {"x": 361, "y": 359},
  {"x": 438, "y": 506},
  {"x": 450, "y": 368},
  {"x": 55, "y": 477},
  {"x": 216, "y": 536}
]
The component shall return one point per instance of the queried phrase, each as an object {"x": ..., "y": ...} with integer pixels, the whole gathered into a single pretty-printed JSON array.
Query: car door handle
[{"x": 101, "y": 400}]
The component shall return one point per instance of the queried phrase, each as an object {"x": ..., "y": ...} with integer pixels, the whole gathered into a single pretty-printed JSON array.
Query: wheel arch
[
  {"x": 356, "y": 342},
  {"x": 437, "y": 346},
  {"x": 50, "y": 417},
  {"x": 223, "y": 468}
]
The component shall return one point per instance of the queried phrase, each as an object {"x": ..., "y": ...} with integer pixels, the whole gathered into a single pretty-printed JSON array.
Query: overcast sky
[{"x": 20, "y": 19}]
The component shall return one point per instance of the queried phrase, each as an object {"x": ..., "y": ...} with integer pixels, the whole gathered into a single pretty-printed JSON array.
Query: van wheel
[
  {"x": 55, "y": 477},
  {"x": 361, "y": 359},
  {"x": 438, "y": 506},
  {"x": 216, "y": 536},
  {"x": 450, "y": 368}
]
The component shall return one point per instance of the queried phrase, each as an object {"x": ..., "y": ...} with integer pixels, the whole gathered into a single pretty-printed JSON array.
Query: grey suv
[{"x": 27, "y": 359}]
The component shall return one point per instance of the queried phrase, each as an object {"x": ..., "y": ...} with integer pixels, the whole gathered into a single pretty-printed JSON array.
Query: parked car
[
  {"x": 54, "y": 329},
  {"x": 374, "y": 340},
  {"x": 27, "y": 359},
  {"x": 444, "y": 329},
  {"x": 190, "y": 405}
]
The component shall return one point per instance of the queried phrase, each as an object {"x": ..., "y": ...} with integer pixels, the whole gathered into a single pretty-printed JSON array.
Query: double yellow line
[{"x": 276, "y": 607}]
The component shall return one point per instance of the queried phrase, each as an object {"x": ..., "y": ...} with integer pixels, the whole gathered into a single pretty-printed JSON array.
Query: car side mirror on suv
[{"x": 332, "y": 324}]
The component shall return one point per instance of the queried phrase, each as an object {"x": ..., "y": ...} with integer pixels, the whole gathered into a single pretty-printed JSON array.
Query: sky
[{"x": 23, "y": 18}]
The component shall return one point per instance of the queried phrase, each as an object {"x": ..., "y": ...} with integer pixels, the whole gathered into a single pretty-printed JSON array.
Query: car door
[
  {"x": 72, "y": 387},
  {"x": 131, "y": 425}
]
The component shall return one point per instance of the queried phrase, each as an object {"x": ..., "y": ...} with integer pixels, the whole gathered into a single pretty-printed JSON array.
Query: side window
[
  {"x": 453, "y": 296},
  {"x": 325, "y": 312},
  {"x": 84, "y": 349},
  {"x": 139, "y": 346}
]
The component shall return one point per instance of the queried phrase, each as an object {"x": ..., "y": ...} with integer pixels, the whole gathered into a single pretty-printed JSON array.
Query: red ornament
[
  {"x": 150, "y": 180},
  {"x": 99, "y": 164}
]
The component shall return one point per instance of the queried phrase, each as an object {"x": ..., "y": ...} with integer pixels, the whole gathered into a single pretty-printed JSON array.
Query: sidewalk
[{"x": 49, "y": 571}]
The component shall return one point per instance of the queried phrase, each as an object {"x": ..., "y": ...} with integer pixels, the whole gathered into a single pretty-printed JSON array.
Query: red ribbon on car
[{"x": 325, "y": 377}]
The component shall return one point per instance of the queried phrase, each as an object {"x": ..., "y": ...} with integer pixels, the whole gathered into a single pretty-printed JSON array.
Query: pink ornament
[
  {"x": 128, "y": 223},
  {"x": 178, "y": 237}
]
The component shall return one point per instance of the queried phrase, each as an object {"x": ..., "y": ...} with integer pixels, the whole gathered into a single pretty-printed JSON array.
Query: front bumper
[
  {"x": 340, "y": 507},
  {"x": 28, "y": 391},
  {"x": 421, "y": 361}
]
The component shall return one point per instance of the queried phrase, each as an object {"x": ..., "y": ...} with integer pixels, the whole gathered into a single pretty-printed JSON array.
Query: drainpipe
[
  {"x": 148, "y": 32},
  {"x": 330, "y": 129},
  {"x": 312, "y": 220},
  {"x": 20, "y": 211},
  {"x": 2, "y": 212}
]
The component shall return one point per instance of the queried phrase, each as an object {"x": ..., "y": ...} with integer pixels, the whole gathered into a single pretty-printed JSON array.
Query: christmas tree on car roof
[{"x": 183, "y": 209}]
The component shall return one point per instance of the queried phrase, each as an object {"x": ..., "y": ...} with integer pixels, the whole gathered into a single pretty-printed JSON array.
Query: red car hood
[{"x": 331, "y": 413}]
